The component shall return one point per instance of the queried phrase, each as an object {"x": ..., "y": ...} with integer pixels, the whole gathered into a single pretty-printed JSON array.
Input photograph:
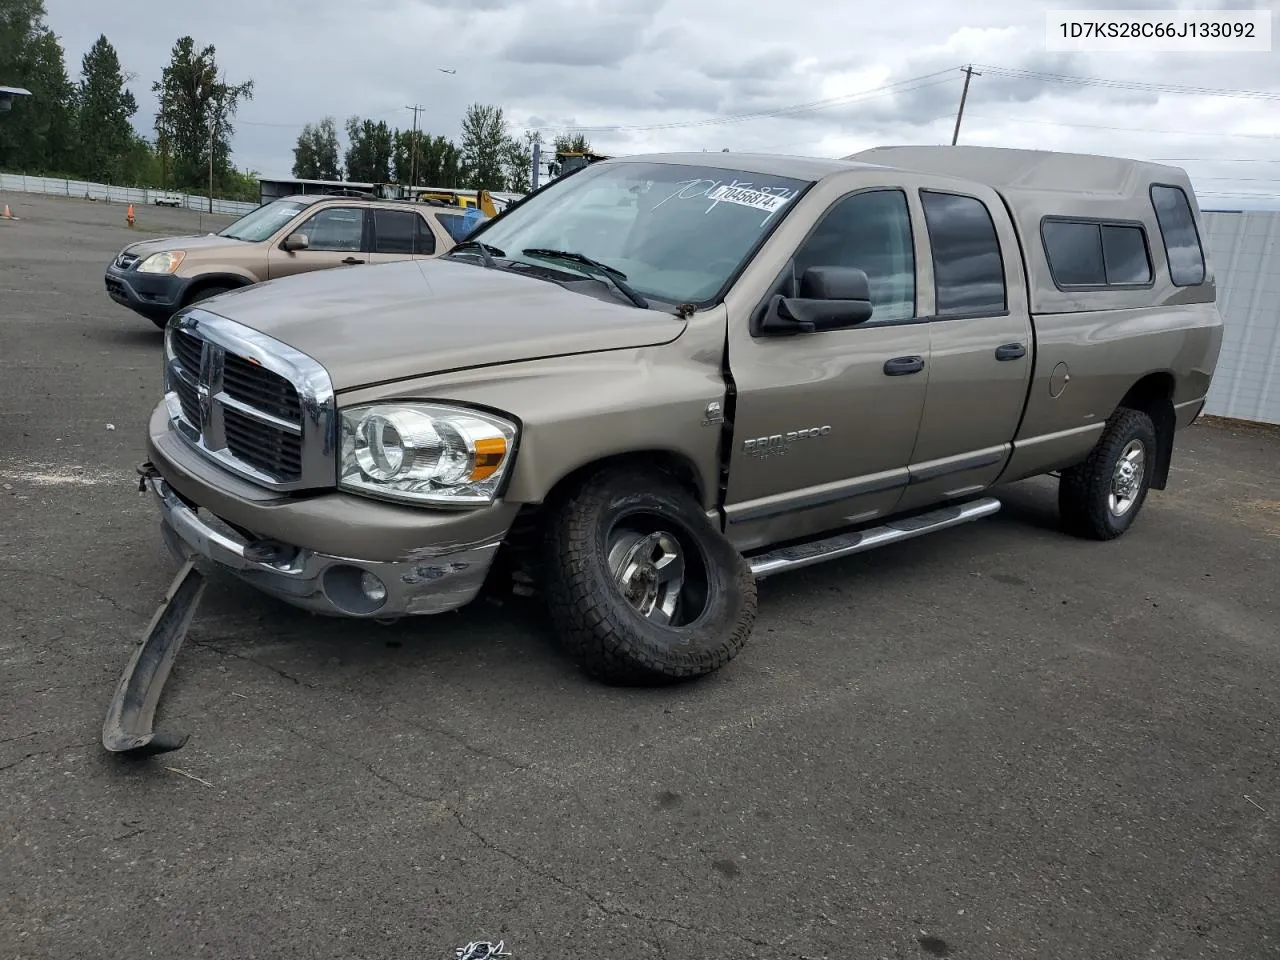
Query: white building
[{"x": 1244, "y": 250}]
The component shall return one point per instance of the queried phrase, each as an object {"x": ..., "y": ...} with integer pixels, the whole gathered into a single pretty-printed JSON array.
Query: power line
[
  {"x": 901, "y": 86},
  {"x": 1147, "y": 86},
  {"x": 1094, "y": 126},
  {"x": 1213, "y": 160}
]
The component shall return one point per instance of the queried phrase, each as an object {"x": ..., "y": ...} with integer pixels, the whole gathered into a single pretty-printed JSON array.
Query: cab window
[
  {"x": 872, "y": 232},
  {"x": 968, "y": 268}
]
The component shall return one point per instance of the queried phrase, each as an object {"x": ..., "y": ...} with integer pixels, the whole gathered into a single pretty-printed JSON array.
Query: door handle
[
  {"x": 352, "y": 260},
  {"x": 901, "y": 366},
  {"x": 1011, "y": 351}
]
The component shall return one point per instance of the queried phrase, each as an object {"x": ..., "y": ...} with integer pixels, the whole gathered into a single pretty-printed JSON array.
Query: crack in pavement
[
  {"x": 451, "y": 735},
  {"x": 66, "y": 583},
  {"x": 442, "y": 805},
  {"x": 208, "y": 645},
  {"x": 52, "y": 751},
  {"x": 460, "y": 740}
]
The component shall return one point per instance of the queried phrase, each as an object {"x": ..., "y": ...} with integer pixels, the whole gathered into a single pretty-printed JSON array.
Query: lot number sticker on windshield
[{"x": 768, "y": 202}]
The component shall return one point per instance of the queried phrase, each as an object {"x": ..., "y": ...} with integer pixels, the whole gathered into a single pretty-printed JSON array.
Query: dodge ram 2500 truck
[{"x": 661, "y": 377}]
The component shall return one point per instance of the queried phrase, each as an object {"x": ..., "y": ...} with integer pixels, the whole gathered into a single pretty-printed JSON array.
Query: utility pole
[
  {"x": 213, "y": 133},
  {"x": 413, "y": 148},
  {"x": 968, "y": 72}
]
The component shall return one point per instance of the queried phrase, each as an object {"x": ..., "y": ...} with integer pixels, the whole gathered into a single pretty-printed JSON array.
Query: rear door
[
  {"x": 400, "y": 235},
  {"x": 337, "y": 236},
  {"x": 981, "y": 346},
  {"x": 824, "y": 423}
]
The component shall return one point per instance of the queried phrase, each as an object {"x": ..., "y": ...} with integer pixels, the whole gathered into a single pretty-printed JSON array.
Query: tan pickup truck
[{"x": 661, "y": 377}]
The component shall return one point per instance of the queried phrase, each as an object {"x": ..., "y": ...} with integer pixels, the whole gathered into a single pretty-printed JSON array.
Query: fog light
[{"x": 373, "y": 588}]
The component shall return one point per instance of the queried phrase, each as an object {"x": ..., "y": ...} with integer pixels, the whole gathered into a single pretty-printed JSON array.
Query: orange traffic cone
[
  {"x": 129, "y": 215},
  {"x": 7, "y": 214}
]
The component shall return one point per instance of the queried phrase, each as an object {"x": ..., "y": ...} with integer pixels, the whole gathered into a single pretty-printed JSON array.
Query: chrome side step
[{"x": 845, "y": 544}]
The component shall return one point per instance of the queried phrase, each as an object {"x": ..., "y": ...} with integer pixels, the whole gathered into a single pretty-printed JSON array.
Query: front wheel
[
  {"x": 1100, "y": 498},
  {"x": 641, "y": 588}
]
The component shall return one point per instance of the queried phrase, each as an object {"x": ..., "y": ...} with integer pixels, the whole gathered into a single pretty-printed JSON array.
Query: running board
[{"x": 845, "y": 544}]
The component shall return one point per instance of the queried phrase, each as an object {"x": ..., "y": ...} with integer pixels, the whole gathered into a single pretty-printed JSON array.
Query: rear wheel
[
  {"x": 1100, "y": 498},
  {"x": 641, "y": 588}
]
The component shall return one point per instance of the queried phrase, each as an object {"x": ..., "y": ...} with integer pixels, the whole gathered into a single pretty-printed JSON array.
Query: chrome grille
[
  {"x": 255, "y": 405},
  {"x": 126, "y": 260}
]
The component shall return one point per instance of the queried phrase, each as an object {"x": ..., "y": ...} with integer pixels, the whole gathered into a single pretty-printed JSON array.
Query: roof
[
  {"x": 766, "y": 164},
  {"x": 1018, "y": 171},
  {"x": 15, "y": 91}
]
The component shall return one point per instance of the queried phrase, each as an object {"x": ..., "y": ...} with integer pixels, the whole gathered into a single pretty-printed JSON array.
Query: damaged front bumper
[{"x": 321, "y": 583}]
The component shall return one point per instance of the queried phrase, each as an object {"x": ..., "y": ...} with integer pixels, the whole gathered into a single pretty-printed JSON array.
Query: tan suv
[{"x": 287, "y": 236}]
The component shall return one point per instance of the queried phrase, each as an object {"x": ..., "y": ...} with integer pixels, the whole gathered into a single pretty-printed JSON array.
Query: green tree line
[
  {"x": 83, "y": 128},
  {"x": 486, "y": 155}
]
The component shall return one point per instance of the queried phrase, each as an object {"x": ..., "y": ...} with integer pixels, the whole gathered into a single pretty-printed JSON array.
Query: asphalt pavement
[{"x": 995, "y": 742}]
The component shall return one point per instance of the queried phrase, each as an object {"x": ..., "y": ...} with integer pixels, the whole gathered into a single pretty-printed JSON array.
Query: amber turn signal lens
[{"x": 489, "y": 454}]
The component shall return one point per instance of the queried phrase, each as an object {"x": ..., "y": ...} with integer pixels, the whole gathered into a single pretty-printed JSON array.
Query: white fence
[
  {"x": 53, "y": 186},
  {"x": 1244, "y": 249}
]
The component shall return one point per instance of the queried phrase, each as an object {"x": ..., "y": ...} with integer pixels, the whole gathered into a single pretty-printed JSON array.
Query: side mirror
[
  {"x": 830, "y": 298},
  {"x": 295, "y": 241}
]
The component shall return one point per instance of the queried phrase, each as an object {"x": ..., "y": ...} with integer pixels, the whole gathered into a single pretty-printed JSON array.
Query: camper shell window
[
  {"x": 1181, "y": 238},
  {"x": 1096, "y": 253}
]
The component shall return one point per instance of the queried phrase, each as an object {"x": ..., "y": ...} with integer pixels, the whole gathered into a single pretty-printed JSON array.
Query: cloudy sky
[{"x": 809, "y": 76}]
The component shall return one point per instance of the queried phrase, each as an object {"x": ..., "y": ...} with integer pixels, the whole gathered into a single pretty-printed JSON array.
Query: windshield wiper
[
  {"x": 486, "y": 252},
  {"x": 611, "y": 275}
]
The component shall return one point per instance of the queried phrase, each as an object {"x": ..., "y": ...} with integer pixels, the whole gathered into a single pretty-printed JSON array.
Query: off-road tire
[
  {"x": 600, "y": 629},
  {"x": 1084, "y": 490}
]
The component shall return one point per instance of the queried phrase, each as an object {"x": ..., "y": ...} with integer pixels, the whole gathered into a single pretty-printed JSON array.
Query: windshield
[
  {"x": 677, "y": 231},
  {"x": 261, "y": 223}
]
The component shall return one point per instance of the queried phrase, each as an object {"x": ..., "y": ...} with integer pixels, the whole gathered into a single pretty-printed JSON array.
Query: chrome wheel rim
[
  {"x": 1126, "y": 479},
  {"x": 649, "y": 570}
]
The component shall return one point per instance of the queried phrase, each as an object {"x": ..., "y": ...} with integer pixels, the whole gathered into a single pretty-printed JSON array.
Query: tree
[
  {"x": 571, "y": 143},
  {"x": 369, "y": 151},
  {"x": 485, "y": 146},
  {"x": 196, "y": 111},
  {"x": 518, "y": 161},
  {"x": 103, "y": 107},
  {"x": 438, "y": 159},
  {"x": 315, "y": 157},
  {"x": 38, "y": 134}
]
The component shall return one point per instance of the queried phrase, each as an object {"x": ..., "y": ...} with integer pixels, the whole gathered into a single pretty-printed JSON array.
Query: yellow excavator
[{"x": 439, "y": 197}]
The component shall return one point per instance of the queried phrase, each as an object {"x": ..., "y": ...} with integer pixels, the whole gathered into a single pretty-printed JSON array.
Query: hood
[
  {"x": 146, "y": 248},
  {"x": 411, "y": 318}
]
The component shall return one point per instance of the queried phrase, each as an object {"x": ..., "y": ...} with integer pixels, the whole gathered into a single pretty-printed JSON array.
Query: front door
[
  {"x": 982, "y": 348},
  {"x": 824, "y": 423},
  {"x": 337, "y": 236}
]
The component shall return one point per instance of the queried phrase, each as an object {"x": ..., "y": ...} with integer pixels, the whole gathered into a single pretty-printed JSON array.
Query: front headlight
[
  {"x": 425, "y": 453},
  {"x": 166, "y": 262}
]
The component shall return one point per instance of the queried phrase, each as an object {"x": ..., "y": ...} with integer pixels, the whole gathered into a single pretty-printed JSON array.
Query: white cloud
[{"x": 666, "y": 74}]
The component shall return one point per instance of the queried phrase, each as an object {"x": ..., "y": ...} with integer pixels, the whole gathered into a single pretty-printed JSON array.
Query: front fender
[{"x": 577, "y": 410}]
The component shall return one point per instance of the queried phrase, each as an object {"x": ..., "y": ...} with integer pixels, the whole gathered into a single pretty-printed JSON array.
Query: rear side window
[
  {"x": 1084, "y": 253},
  {"x": 967, "y": 266},
  {"x": 455, "y": 224},
  {"x": 1181, "y": 240},
  {"x": 395, "y": 231}
]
